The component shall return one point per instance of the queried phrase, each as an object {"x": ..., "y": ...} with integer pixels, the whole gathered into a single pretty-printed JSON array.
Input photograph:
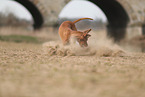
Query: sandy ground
[{"x": 104, "y": 69}]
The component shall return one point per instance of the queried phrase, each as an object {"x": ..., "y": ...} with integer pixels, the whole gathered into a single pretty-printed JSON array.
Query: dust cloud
[{"x": 99, "y": 45}]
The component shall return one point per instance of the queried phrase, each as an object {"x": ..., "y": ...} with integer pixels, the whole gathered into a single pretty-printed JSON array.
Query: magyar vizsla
[{"x": 68, "y": 29}]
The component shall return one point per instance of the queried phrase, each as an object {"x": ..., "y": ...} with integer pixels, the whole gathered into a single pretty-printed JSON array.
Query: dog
[{"x": 68, "y": 29}]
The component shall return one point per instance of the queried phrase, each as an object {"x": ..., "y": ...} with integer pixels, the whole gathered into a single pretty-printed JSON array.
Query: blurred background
[
  {"x": 120, "y": 20},
  {"x": 14, "y": 14}
]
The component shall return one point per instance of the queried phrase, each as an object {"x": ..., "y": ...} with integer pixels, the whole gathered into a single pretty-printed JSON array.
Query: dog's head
[{"x": 82, "y": 37}]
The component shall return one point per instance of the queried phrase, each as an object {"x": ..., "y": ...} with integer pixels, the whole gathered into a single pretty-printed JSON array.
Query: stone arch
[
  {"x": 120, "y": 13},
  {"x": 126, "y": 17},
  {"x": 35, "y": 12},
  {"x": 118, "y": 18}
]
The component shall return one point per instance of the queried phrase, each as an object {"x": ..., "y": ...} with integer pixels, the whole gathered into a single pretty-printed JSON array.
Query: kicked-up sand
[{"x": 98, "y": 46}]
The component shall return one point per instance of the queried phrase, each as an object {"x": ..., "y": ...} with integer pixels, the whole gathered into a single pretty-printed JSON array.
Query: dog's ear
[
  {"x": 87, "y": 31},
  {"x": 88, "y": 35}
]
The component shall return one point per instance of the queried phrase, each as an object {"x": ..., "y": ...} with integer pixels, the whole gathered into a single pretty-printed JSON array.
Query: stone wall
[{"x": 50, "y": 9}]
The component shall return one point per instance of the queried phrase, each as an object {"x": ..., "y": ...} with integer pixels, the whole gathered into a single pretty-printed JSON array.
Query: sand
[{"x": 104, "y": 69}]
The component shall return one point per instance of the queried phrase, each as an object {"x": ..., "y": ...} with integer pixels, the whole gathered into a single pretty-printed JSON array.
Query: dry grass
[
  {"x": 25, "y": 71},
  {"x": 47, "y": 34}
]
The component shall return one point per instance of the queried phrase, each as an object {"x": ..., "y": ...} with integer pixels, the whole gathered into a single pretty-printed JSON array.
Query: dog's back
[
  {"x": 70, "y": 25},
  {"x": 67, "y": 25},
  {"x": 65, "y": 31}
]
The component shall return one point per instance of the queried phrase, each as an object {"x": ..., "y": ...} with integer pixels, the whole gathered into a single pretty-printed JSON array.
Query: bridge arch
[
  {"x": 36, "y": 14},
  {"x": 118, "y": 18}
]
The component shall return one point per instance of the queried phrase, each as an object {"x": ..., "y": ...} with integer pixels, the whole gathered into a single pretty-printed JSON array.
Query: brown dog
[{"x": 68, "y": 29}]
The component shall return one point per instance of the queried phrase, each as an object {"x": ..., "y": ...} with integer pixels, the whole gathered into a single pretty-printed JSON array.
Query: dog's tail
[{"x": 82, "y": 19}]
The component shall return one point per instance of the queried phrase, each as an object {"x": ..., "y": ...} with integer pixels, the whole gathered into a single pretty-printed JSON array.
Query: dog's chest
[{"x": 73, "y": 40}]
